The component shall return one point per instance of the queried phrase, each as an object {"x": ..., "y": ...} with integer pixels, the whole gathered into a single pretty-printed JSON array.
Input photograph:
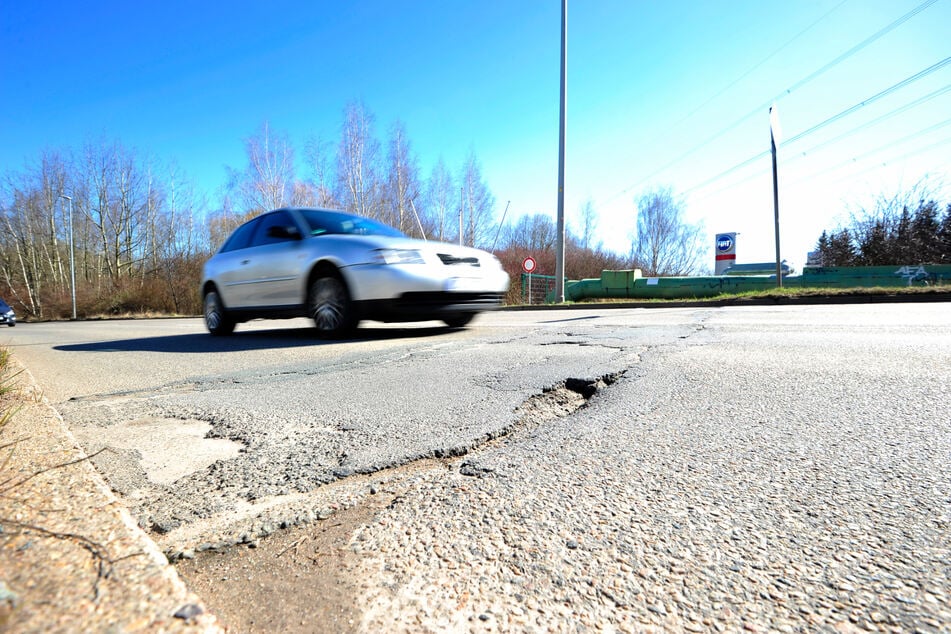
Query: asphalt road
[{"x": 709, "y": 468}]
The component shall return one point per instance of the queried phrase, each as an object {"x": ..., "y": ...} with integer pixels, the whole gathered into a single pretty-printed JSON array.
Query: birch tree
[
  {"x": 402, "y": 182},
  {"x": 319, "y": 155},
  {"x": 358, "y": 156},
  {"x": 440, "y": 200},
  {"x": 268, "y": 180},
  {"x": 477, "y": 202},
  {"x": 589, "y": 225},
  {"x": 664, "y": 242}
]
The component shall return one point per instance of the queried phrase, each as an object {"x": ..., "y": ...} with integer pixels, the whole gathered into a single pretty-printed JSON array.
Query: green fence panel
[{"x": 631, "y": 285}]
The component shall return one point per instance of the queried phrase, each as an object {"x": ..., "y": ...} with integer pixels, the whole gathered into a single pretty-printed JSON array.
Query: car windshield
[{"x": 334, "y": 222}]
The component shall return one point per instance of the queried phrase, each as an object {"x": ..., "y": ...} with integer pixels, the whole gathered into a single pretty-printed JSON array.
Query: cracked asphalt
[{"x": 757, "y": 468}]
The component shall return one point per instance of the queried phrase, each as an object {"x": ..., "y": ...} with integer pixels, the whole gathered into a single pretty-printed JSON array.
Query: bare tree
[
  {"x": 402, "y": 182},
  {"x": 440, "y": 198},
  {"x": 589, "y": 224},
  {"x": 535, "y": 234},
  {"x": 116, "y": 206},
  {"x": 478, "y": 203},
  {"x": 268, "y": 180},
  {"x": 358, "y": 186},
  {"x": 182, "y": 241},
  {"x": 664, "y": 242},
  {"x": 318, "y": 155}
]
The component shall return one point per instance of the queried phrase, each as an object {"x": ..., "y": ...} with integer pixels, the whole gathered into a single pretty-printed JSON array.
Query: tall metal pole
[
  {"x": 772, "y": 143},
  {"x": 560, "y": 248},
  {"x": 72, "y": 259}
]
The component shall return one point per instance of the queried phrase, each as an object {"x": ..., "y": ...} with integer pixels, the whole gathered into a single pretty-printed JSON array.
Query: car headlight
[
  {"x": 8, "y": 314},
  {"x": 397, "y": 256}
]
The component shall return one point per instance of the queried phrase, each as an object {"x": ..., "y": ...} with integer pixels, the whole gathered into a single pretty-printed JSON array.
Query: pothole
[
  {"x": 563, "y": 399},
  {"x": 165, "y": 449},
  {"x": 246, "y": 524},
  {"x": 558, "y": 401}
]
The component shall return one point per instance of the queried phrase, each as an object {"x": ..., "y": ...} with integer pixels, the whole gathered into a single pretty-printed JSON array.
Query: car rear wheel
[
  {"x": 329, "y": 305},
  {"x": 216, "y": 318},
  {"x": 459, "y": 320}
]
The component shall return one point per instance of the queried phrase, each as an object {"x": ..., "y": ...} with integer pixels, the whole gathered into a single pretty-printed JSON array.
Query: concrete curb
[{"x": 72, "y": 558}]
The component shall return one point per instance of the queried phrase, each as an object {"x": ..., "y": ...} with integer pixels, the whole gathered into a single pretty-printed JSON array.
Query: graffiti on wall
[{"x": 913, "y": 273}]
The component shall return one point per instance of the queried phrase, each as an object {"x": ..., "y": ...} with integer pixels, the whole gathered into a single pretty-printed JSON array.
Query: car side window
[
  {"x": 241, "y": 238},
  {"x": 275, "y": 227}
]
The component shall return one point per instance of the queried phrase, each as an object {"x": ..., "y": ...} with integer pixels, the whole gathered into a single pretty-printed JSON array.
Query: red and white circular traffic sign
[{"x": 529, "y": 264}]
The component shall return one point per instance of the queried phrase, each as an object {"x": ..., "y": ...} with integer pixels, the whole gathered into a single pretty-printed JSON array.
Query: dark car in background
[
  {"x": 338, "y": 268},
  {"x": 7, "y": 316}
]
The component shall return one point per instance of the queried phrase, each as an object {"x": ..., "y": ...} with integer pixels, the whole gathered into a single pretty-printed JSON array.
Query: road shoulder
[{"x": 71, "y": 556}]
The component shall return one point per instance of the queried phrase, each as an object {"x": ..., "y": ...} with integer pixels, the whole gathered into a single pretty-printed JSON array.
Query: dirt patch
[{"x": 297, "y": 580}]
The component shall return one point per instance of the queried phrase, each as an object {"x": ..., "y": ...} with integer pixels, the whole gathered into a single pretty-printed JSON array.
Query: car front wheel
[
  {"x": 329, "y": 305},
  {"x": 459, "y": 320},
  {"x": 216, "y": 319}
]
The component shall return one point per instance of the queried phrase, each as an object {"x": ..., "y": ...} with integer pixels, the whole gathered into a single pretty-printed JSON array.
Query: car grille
[
  {"x": 451, "y": 300},
  {"x": 451, "y": 260}
]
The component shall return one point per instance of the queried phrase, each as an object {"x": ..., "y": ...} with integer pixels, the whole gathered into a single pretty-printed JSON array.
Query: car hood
[{"x": 431, "y": 248}]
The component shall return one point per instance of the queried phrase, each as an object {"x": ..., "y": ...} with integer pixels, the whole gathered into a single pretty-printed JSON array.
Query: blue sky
[{"x": 657, "y": 93}]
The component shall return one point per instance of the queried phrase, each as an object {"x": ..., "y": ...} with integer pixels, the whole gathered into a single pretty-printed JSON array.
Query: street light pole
[
  {"x": 773, "y": 134},
  {"x": 560, "y": 245},
  {"x": 72, "y": 259}
]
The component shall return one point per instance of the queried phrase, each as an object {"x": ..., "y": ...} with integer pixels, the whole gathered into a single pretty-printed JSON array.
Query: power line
[
  {"x": 855, "y": 49},
  {"x": 873, "y": 98},
  {"x": 877, "y": 120},
  {"x": 822, "y": 124},
  {"x": 751, "y": 69},
  {"x": 855, "y": 130},
  {"x": 882, "y": 148},
  {"x": 920, "y": 150},
  {"x": 758, "y": 109},
  {"x": 868, "y": 124}
]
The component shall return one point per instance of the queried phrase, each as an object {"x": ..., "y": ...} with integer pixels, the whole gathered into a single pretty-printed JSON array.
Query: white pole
[
  {"x": 560, "y": 247},
  {"x": 72, "y": 258}
]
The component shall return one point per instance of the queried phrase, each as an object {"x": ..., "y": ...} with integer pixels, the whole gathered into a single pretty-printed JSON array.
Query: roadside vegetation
[
  {"x": 9, "y": 401},
  {"x": 912, "y": 227}
]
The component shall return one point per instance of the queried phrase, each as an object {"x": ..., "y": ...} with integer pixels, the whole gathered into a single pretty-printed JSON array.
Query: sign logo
[
  {"x": 528, "y": 265},
  {"x": 724, "y": 243}
]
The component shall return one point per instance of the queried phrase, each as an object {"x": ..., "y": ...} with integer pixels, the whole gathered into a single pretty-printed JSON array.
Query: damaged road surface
[
  {"x": 210, "y": 453},
  {"x": 688, "y": 469}
]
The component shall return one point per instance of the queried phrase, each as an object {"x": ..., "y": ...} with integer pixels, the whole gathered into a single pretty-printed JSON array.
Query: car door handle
[{"x": 245, "y": 261}]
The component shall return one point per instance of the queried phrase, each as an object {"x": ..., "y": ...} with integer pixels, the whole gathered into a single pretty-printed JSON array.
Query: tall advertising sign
[{"x": 725, "y": 250}]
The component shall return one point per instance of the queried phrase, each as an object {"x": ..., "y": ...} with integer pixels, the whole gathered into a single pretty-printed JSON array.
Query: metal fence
[{"x": 535, "y": 288}]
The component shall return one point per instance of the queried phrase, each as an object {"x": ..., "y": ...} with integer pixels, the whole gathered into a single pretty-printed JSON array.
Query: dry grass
[{"x": 9, "y": 393}]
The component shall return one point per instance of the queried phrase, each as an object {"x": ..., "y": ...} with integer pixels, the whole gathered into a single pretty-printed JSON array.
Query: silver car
[{"x": 339, "y": 268}]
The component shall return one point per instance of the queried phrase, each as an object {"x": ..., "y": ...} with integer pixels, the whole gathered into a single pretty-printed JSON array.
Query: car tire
[
  {"x": 217, "y": 320},
  {"x": 458, "y": 320},
  {"x": 12, "y": 324},
  {"x": 329, "y": 305}
]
